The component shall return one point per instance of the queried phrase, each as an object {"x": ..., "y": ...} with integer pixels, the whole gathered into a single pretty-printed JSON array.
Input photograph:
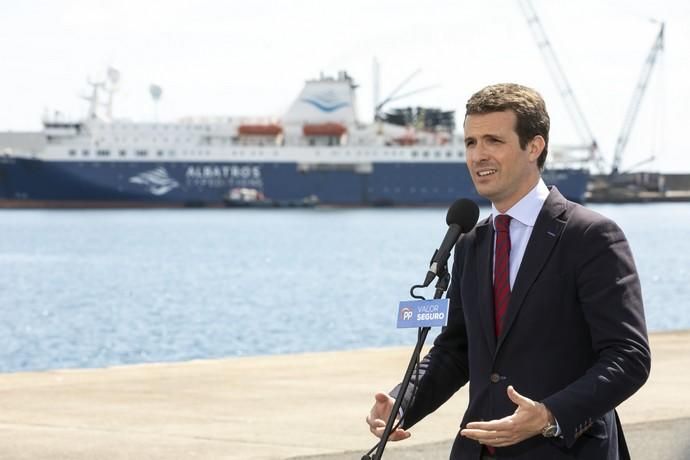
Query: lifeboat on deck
[
  {"x": 324, "y": 129},
  {"x": 260, "y": 130},
  {"x": 406, "y": 139}
]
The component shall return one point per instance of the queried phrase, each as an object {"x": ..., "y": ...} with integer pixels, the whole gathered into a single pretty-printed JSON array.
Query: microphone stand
[{"x": 441, "y": 287}]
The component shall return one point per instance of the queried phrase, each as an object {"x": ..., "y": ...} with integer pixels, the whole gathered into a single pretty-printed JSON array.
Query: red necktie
[
  {"x": 501, "y": 270},
  {"x": 501, "y": 278}
]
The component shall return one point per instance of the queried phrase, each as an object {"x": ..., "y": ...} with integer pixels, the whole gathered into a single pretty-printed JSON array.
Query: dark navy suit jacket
[{"x": 574, "y": 336}]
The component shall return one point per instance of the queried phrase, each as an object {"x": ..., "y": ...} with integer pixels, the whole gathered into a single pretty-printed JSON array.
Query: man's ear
[{"x": 535, "y": 147}]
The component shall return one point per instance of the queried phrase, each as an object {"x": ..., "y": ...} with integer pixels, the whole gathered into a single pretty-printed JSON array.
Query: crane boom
[
  {"x": 561, "y": 81},
  {"x": 636, "y": 101}
]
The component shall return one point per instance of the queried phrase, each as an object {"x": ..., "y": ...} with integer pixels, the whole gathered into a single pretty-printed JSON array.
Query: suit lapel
[
  {"x": 484, "y": 251},
  {"x": 545, "y": 234}
]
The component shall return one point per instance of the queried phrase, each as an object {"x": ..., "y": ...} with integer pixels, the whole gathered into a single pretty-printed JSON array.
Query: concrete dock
[{"x": 276, "y": 407}]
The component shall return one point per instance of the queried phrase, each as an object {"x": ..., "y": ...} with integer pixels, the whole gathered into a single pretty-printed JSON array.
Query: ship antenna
[
  {"x": 94, "y": 98},
  {"x": 156, "y": 93},
  {"x": 114, "y": 80},
  {"x": 376, "y": 77}
]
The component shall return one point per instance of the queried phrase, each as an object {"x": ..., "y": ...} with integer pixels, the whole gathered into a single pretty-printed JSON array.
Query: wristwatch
[{"x": 550, "y": 430}]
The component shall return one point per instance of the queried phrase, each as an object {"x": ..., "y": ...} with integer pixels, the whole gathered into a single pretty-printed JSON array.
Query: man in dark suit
[{"x": 546, "y": 319}]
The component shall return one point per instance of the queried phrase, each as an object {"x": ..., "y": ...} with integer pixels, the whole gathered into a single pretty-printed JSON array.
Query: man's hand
[
  {"x": 379, "y": 415},
  {"x": 528, "y": 420}
]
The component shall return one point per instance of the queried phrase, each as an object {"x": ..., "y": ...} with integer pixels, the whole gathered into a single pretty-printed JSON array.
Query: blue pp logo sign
[
  {"x": 406, "y": 313},
  {"x": 423, "y": 313}
]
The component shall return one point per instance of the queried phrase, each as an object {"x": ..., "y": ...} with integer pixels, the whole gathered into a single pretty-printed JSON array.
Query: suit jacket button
[{"x": 495, "y": 378}]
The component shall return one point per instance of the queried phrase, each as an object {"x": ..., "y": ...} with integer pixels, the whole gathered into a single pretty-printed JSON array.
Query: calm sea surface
[{"x": 107, "y": 287}]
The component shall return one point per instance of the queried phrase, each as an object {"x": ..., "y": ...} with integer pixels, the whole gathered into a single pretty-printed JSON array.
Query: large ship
[{"x": 318, "y": 152}]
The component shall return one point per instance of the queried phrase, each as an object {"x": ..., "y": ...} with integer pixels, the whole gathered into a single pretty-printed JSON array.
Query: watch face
[{"x": 549, "y": 431}]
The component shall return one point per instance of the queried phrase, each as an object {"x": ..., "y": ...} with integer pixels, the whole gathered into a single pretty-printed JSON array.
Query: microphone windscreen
[{"x": 463, "y": 213}]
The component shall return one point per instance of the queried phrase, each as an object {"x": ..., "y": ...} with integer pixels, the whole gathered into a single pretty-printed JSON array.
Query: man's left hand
[{"x": 528, "y": 420}]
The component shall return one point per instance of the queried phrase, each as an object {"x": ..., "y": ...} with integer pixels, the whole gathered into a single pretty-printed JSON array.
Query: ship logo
[
  {"x": 157, "y": 180},
  {"x": 326, "y": 102}
]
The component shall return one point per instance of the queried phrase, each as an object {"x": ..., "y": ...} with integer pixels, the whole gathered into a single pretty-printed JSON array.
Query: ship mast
[
  {"x": 94, "y": 98},
  {"x": 110, "y": 86}
]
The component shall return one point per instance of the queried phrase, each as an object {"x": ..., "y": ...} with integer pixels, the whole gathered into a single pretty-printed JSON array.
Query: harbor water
[{"x": 95, "y": 288}]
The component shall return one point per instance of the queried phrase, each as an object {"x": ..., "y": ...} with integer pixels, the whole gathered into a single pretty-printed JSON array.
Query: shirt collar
[{"x": 527, "y": 209}]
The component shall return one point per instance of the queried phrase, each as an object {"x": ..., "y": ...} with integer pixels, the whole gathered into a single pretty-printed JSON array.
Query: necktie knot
[{"x": 502, "y": 222}]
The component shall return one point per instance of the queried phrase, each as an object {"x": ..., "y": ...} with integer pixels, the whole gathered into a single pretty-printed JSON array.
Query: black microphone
[{"x": 461, "y": 218}]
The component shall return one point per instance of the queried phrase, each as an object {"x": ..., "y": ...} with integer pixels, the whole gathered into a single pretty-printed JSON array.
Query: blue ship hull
[{"x": 33, "y": 182}]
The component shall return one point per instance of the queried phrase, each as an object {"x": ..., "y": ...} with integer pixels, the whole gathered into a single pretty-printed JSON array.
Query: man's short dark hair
[{"x": 526, "y": 103}]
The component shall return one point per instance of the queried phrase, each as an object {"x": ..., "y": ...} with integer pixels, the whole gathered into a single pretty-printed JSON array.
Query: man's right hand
[{"x": 379, "y": 415}]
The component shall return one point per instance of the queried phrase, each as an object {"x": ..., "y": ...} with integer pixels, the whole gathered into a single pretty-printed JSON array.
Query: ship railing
[
  {"x": 224, "y": 120},
  {"x": 61, "y": 129}
]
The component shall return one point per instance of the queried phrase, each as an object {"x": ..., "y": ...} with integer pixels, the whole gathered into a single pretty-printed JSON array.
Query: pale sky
[{"x": 252, "y": 57}]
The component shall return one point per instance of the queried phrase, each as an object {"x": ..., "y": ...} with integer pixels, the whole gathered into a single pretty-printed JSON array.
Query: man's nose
[{"x": 479, "y": 154}]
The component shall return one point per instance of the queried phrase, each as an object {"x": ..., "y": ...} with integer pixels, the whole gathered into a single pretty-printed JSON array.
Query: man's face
[{"x": 501, "y": 171}]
